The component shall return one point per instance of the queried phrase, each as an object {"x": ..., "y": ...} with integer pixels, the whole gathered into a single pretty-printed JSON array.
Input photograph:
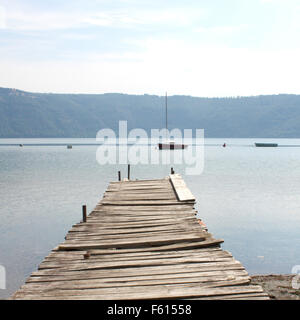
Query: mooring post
[
  {"x": 119, "y": 175},
  {"x": 84, "y": 213},
  {"x": 129, "y": 172}
]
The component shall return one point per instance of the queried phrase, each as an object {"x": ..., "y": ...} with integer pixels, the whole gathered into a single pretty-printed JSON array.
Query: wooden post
[
  {"x": 84, "y": 213},
  {"x": 129, "y": 172},
  {"x": 119, "y": 175}
]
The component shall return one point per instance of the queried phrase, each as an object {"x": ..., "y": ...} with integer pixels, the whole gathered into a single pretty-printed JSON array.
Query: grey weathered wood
[
  {"x": 145, "y": 270},
  {"x": 154, "y": 240},
  {"x": 100, "y": 283},
  {"x": 140, "y": 293},
  {"x": 102, "y": 263},
  {"x": 214, "y": 274},
  {"x": 181, "y": 190},
  {"x": 75, "y": 255},
  {"x": 141, "y": 241}
]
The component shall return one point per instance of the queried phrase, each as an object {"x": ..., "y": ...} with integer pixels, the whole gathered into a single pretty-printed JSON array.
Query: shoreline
[{"x": 277, "y": 286}]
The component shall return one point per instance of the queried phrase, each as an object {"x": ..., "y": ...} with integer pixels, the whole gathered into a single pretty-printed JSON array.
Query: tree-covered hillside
[{"x": 25, "y": 114}]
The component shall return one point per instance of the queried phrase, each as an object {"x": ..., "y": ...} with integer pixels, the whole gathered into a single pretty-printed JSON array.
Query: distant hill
[{"x": 30, "y": 115}]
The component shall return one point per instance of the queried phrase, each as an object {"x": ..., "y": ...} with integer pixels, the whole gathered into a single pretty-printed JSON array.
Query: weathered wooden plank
[
  {"x": 111, "y": 209},
  {"x": 206, "y": 244},
  {"x": 94, "y": 264},
  {"x": 241, "y": 296},
  {"x": 138, "y": 193},
  {"x": 134, "y": 232},
  {"x": 99, "y": 283},
  {"x": 162, "y": 292},
  {"x": 174, "y": 207},
  {"x": 141, "y": 213},
  {"x": 114, "y": 218},
  {"x": 157, "y": 250},
  {"x": 132, "y": 188},
  {"x": 196, "y": 244},
  {"x": 135, "y": 197},
  {"x": 123, "y": 233},
  {"x": 121, "y": 213},
  {"x": 138, "y": 271},
  {"x": 104, "y": 225},
  {"x": 139, "y": 202},
  {"x": 86, "y": 230},
  {"x": 181, "y": 190},
  {"x": 255, "y": 296},
  {"x": 142, "y": 289},
  {"x": 135, "y": 277},
  {"x": 72, "y": 255},
  {"x": 84, "y": 236},
  {"x": 196, "y": 234},
  {"x": 61, "y": 261},
  {"x": 137, "y": 224},
  {"x": 113, "y": 221},
  {"x": 141, "y": 192},
  {"x": 138, "y": 182},
  {"x": 154, "y": 240}
]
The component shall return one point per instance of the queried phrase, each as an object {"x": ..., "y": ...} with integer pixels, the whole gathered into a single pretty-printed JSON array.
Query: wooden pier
[{"x": 142, "y": 241}]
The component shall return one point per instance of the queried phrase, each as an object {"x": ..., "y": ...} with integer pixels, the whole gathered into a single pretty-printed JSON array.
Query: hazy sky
[{"x": 199, "y": 48}]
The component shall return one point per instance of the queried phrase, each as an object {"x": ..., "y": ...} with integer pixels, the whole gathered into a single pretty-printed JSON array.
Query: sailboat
[{"x": 170, "y": 145}]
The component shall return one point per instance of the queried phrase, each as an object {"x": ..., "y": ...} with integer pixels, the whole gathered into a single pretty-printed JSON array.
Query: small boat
[
  {"x": 170, "y": 145},
  {"x": 260, "y": 144},
  {"x": 69, "y": 146}
]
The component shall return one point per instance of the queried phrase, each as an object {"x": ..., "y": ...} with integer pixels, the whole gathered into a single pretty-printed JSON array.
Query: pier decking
[{"x": 142, "y": 241}]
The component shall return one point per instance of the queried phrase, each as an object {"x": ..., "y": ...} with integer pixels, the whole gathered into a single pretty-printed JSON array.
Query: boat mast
[
  {"x": 166, "y": 112},
  {"x": 166, "y": 117}
]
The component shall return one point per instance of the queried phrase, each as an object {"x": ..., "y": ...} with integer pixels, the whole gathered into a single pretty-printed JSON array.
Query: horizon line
[{"x": 149, "y": 94}]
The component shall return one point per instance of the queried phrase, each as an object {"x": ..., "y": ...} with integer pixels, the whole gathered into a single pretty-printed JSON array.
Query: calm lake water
[{"x": 247, "y": 196}]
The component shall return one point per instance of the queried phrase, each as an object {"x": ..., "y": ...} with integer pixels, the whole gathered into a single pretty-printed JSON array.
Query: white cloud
[
  {"x": 40, "y": 20},
  {"x": 78, "y": 36},
  {"x": 20, "y": 20},
  {"x": 276, "y": 1},
  {"x": 153, "y": 65},
  {"x": 175, "y": 66},
  {"x": 2, "y": 18},
  {"x": 220, "y": 30},
  {"x": 175, "y": 16},
  {"x": 99, "y": 19}
]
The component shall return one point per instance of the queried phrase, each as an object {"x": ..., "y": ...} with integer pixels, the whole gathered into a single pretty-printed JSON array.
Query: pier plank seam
[{"x": 142, "y": 241}]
